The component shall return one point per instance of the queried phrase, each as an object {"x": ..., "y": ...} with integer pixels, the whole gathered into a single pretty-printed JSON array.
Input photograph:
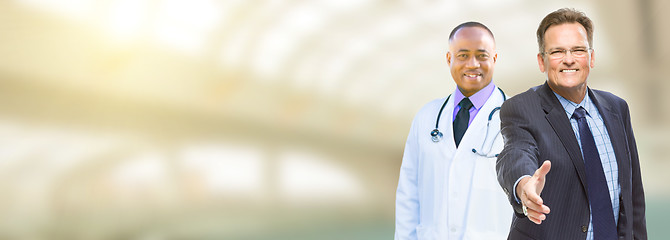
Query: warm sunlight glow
[
  {"x": 127, "y": 18},
  {"x": 224, "y": 169},
  {"x": 305, "y": 177},
  {"x": 186, "y": 25}
]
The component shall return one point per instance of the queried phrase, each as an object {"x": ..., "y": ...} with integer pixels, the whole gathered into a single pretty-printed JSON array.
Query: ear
[
  {"x": 449, "y": 58},
  {"x": 495, "y": 57},
  {"x": 593, "y": 59},
  {"x": 540, "y": 61}
]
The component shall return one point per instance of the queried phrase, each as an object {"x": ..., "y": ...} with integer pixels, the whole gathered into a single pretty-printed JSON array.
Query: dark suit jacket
[{"x": 535, "y": 128}]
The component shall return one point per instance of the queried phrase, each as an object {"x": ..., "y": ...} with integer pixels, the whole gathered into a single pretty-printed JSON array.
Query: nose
[
  {"x": 568, "y": 59},
  {"x": 472, "y": 63}
]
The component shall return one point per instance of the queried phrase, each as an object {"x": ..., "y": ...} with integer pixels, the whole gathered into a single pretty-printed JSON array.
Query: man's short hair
[
  {"x": 469, "y": 24},
  {"x": 561, "y": 16}
]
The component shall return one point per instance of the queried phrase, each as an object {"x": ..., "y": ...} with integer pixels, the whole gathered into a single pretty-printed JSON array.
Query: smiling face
[
  {"x": 471, "y": 58},
  {"x": 567, "y": 75}
]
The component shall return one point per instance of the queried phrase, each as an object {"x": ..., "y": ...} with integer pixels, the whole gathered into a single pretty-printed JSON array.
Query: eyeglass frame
[{"x": 564, "y": 52}]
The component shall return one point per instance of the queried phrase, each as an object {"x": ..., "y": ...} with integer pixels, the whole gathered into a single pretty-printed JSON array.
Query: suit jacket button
[{"x": 584, "y": 229}]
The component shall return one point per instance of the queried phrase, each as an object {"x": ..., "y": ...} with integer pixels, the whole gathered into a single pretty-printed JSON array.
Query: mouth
[
  {"x": 569, "y": 70},
  {"x": 472, "y": 75}
]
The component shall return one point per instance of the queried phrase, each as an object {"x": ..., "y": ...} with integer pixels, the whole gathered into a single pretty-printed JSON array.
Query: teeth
[
  {"x": 471, "y": 75},
  {"x": 569, "y": 70}
]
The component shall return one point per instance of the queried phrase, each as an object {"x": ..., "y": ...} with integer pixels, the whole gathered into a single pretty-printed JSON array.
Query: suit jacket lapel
[
  {"x": 561, "y": 124},
  {"x": 615, "y": 130}
]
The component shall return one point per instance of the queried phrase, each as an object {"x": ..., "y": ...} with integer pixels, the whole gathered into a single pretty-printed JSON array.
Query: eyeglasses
[{"x": 560, "y": 53}]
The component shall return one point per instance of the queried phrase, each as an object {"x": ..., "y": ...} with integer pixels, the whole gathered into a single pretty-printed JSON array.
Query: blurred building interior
[{"x": 205, "y": 119}]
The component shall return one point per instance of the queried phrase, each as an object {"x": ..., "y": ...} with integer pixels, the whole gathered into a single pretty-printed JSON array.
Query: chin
[
  {"x": 574, "y": 84},
  {"x": 570, "y": 83}
]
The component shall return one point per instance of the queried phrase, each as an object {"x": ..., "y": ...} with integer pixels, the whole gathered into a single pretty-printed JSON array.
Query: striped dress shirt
[{"x": 604, "y": 146}]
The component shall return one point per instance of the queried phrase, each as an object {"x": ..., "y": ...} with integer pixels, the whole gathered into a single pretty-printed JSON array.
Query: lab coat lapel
[
  {"x": 448, "y": 145},
  {"x": 477, "y": 130}
]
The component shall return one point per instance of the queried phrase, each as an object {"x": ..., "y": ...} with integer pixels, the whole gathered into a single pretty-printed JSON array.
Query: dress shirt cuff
[{"x": 514, "y": 190}]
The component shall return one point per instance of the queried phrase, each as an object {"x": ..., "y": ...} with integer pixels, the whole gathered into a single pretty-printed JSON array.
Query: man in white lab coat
[{"x": 447, "y": 187}]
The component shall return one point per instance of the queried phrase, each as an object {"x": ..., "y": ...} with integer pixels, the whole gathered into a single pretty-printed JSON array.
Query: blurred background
[{"x": 204, "y": 119}]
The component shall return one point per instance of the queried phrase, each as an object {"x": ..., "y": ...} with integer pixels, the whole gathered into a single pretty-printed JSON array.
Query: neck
[
  {"x": 466, "y": 93},
  {"x": 575, "y": 95}
]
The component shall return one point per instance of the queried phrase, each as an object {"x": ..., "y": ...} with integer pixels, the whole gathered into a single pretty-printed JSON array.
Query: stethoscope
[{"x": 436, "y": 135}]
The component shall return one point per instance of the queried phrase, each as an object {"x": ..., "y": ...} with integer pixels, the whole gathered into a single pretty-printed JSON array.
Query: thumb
[{"x": 544, "y": 169}]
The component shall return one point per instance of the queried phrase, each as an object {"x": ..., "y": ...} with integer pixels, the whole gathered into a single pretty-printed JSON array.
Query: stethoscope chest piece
[{"x": 436, "y": 135}]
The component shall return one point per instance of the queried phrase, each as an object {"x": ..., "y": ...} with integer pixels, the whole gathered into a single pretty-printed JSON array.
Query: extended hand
[{"x": 529, "y": 189}]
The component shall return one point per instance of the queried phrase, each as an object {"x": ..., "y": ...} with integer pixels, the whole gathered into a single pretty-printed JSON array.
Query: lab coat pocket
[
  {"x": 493, "y": 214},
  {"x": 424, "y": 233},
  {"x": 485, "y": 175}
]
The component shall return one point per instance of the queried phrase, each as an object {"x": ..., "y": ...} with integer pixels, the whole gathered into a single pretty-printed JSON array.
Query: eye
[
  {"x": 579, "y": 51},
  {"x": 462, "y": 56},
  {"x": 557, "y": 52},
  {"x": 483, "y": 56}
]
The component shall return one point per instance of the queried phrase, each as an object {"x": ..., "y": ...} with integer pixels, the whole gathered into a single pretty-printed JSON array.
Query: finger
[
  {"x": 535, "y": 220},
  {"x": 530, "y": 194},
  {"x": 535, "y": 202},
  {"x": 534, "y": 206},
  {"x": 534, "y": 198},
  {"x": 535, "y": 217},
  {"x": 545, "y": 209},
  {"x": 538, "y": 207},
  {"x": 543, "y": 170},
  {"x": 532, "y": 214}
]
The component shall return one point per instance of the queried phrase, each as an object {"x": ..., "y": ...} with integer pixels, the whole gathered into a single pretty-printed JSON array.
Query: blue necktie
[
  {"x": 598, "y": 193},
  {"x": 462, "y": 119}
]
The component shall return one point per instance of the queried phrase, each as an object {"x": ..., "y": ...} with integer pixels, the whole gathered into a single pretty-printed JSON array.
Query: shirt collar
[
  {"x": 571, "y": 106},
  {"x": 479, "y": 98}
]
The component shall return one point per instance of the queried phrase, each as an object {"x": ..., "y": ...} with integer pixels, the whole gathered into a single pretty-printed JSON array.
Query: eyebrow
[
  {"x": 575, "y": 47},
  {"x": 478, "y": 50}
]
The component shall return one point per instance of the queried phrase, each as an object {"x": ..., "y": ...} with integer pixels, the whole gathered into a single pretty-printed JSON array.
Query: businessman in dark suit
[{"x": 570, "y": 166}]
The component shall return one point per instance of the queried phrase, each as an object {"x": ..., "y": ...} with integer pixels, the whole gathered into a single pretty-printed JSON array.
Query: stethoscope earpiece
[{"x": 436, "y": 135}]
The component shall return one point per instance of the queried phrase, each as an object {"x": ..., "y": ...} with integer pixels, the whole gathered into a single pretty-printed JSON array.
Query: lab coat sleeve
[{"x": 407, "y": 195}]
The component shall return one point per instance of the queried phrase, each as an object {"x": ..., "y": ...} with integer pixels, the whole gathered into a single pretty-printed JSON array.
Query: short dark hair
[
  {"x": 561, "y": 16},
  {"x": 469, "y": 24}
]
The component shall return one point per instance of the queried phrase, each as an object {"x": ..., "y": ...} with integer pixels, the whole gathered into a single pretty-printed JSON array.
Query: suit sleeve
[
  {"x": 519, "y": 156},
  {"x": 639, "y": 219},
  {"x": 407, "y": 196}
]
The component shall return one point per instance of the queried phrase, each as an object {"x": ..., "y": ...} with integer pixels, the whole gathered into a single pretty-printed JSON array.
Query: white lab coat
[{"x": 448, "y": 193}]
